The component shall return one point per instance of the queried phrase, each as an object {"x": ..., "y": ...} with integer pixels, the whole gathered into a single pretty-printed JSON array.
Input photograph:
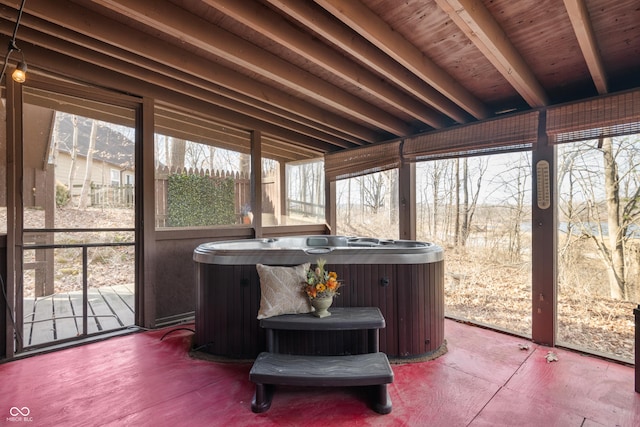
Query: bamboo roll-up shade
[
  {"x": 509, "y": 133},
  {"x": 607, "y": 116},
  {"x": 362, "y": 160}
]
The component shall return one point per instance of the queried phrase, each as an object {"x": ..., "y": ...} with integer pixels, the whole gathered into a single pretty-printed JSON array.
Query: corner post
[
  {"x": 407, "y": 201},
  {"x": 543, "y": 244}
]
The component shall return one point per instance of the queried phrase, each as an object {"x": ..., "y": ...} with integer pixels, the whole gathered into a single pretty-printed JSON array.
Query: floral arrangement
[{"x": 320, "y": 282}]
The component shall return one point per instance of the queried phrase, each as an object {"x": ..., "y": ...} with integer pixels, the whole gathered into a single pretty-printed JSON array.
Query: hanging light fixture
[{"x": 20, "y": 73}]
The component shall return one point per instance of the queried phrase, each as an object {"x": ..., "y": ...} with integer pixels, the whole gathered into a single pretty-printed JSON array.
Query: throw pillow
[{"x": 281, "y": 290}]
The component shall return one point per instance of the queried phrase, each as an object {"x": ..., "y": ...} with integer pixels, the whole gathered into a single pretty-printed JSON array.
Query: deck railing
[{"x": 48, "y": 288}]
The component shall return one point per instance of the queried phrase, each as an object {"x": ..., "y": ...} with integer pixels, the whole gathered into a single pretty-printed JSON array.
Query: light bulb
[{"x": 20, "y": 73}]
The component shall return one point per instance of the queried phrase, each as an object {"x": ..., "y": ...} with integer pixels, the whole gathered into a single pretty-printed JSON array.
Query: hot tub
[{"x": 404, "y": 278}]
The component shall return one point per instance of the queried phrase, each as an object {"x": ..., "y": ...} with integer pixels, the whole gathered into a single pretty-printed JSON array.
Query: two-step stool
[{"x": 371, "y": 369}]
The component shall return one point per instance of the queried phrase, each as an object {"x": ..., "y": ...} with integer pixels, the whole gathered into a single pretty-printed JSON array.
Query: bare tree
[
  {"x": 178, "y": 153},
  {"x": 167, "y": 147},
  {"x": 615, "y": 252},
  {"x": 86, "y": 184},
  {"x": 457, "y": 202},
  {"x": 318, "y": 172},
  {"x": 513, "y": 184},
  {"x": 245, "y": 163},
  {"x": 348, "y": 219},
  {"x": 394, "y": 192},
  {"x": 55, "y": 143},
  {"x": 212, "y": 156},
  {"x": 605, "y": 204},
  {"x": 372, "y": 188},
  {"x": 448, "y": 189},
  {"x": 469, "y": 208},
  {"x": 436, "y": 174},
  {"x": 73, "y": 153}
]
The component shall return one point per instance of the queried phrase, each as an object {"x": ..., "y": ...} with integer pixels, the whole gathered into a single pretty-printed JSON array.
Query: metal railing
[{"x": 85, "y": 283}]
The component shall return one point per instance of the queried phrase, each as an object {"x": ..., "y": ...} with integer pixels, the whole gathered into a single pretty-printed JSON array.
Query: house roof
[
  {"x": 111, "y": 146},
  {"x": 330, "y": 75}
]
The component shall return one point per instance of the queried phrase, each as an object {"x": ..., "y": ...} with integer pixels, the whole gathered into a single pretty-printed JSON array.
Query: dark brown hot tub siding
[{"x": 410, "y": 297}]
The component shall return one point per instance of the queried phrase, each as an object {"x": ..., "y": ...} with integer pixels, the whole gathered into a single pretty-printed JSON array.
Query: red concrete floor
[{"x": 484, "y": 379}]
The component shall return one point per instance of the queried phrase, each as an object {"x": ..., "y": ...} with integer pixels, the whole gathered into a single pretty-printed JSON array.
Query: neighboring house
[{"x": 113, "y": 154}]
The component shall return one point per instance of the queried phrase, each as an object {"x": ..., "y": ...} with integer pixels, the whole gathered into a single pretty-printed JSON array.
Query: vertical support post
[
  {"x": 256, "y": 181},
  {"x": 145, "y": 251},
  {"x": 13, "y": 285},
  {"x": 374, "y": 340},
  {"x": 382, "y": 404},
  {"x": 85, "y": 292},
  {"x": 5, "y": 318},
  {"x": 407, "y": 201},
  {"x": 636, "y": 313},
  {"x": 272, "y": 345},
  {"x": 330, "y": 204},
  {"x": 543, "y": 244},
  {"x": 282, "y": 210}
]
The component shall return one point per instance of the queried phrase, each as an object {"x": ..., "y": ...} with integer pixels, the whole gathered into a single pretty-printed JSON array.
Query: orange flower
[{"x": 321, "y": 283}]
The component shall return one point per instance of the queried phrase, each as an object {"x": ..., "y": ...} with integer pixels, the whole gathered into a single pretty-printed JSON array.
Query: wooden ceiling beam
[
  {"x": 477, "y": 23},
  {"x": 181, "y": 96},
  {"x": 581, "y": 23},
  {"x": 175, "y": 21},
  {"x": 128, "y": 69},
  {"x": 282, "y": 150},
  {"x": 195, "y": 127},
  {"x": 136, "y": 47},
  {"x": 361, "y": 19},
  {"x": 352, "y": 43},
  {"x": 273, "y": 26}
]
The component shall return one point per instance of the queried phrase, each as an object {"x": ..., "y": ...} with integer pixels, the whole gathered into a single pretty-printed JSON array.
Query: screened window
[
  {"x": 305, "y": 198},
  {"x": 202, "y": 172},
  {"x": 479, "y": 209},
  {"x": 598, "y": 186},
  {"x": 598, "y": 244},
  {"x": 367, "y": 205}
]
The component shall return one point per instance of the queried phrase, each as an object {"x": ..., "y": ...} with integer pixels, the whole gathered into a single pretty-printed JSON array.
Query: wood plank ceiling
[{"x": 333, "y": 74}]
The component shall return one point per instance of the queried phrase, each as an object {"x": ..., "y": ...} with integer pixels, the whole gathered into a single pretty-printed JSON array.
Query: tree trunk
[
  {"x": 178, "y": 150},
  {"x": 617, "y": 283},
  {"x": 393, "y": 186},
  {"x": 436, "y": 200},
  {"x": 74, "y": 152},
  {"x": 212, "y": 155},
  {"x": 86, "y": 185},
  {"x": 518, "y": 214},
  {"x": 465, "y": 207},
  {"x": 457, "y": 186},
  {"x": 55, "y": 143}
]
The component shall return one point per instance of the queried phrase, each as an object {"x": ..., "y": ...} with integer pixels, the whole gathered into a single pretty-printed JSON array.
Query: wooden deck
[{"x": 59, "y": 316}]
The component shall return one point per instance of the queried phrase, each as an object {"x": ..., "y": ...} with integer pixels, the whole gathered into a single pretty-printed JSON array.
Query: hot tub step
[
  {"x": 370, "y": 369},
  {"x": 353, "y": 370}
]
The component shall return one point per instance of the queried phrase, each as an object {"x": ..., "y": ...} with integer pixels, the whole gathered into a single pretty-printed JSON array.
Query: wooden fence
[
  {"x": 242, "y": 189},
  {"x": 112, "y": 196},
  {"x": 123, "y": 196},
  {"x": 242, "y": 192}
]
